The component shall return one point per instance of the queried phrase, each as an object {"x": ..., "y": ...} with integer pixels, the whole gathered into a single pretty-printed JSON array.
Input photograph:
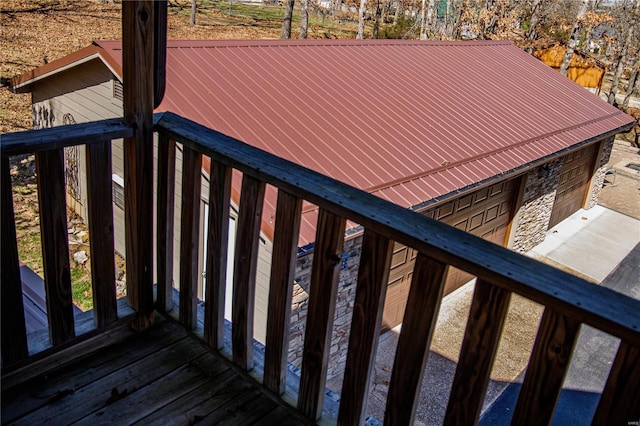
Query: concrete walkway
[{"x": 589, "y": 243}]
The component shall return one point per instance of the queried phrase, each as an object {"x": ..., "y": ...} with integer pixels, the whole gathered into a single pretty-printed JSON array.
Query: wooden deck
[{"x": 160, "y": 376}]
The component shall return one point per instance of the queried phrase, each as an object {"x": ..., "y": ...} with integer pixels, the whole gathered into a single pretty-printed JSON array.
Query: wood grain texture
[
  {"x": 100, "y": 215},
  {"x": 479, "y": 346},
  {"x": 620, "y": 400},
  {"x": 419, "y": 321},
  {"x": 325, "y": 272},
  {"x": 190, "y": 237},
  {"x": 59, "y": 137},
  {"x": 373, "y": 277},
  {"x": 598, "y": 306},
  {"x": 547, "y": 368},
  {"x": 244, "y": 270},
  {"x": 217, "y": 247},
  {"x": 55, "y": 244},
  {"x": 14, "y": 333},
  {"x": 283, "y": 262},
  {"x": 137, "y": 72},
  {"x": 165, "y": 221}
]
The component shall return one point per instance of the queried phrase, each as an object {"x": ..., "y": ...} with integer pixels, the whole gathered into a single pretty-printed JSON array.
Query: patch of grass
[{"x": 81, "y": 288}]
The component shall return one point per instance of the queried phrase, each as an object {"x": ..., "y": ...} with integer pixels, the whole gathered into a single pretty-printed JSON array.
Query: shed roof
[{"x": 405, "y": 120}]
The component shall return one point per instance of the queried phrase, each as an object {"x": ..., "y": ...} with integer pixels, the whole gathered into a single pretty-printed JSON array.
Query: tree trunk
[
  {"x": 304, "y": 18},
  {"x": 285, "y": 32},
  {"x": 376, "y": 20},
  {"x": 633, "y": 84},
  {"x": 622, "y": 59},
  {"x": 397, "y": 15},
  {"x": 573, "y": 38},
  {"x": 535, "y": 18},
  {"x": 362, "y": 13},
  {"x": 192, "y": 19}
]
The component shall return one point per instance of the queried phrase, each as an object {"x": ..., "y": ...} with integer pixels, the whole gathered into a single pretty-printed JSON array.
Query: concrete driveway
[{"x": 600, "y": 245}]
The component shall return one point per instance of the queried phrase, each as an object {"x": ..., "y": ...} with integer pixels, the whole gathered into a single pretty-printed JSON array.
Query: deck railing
[{"x": 569, "y": 301}]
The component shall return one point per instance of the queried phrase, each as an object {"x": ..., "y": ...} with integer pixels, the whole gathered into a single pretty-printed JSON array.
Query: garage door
[
  {"x": 574, "y": 182},
  {"x": 485, "y": 213}
]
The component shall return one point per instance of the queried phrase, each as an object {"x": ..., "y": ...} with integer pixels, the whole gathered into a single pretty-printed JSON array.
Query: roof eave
[{"x": 23, "y": 83}]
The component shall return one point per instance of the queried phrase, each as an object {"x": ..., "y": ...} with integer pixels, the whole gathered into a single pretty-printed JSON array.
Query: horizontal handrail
[
  {"x": 597, "y": 306},
  {"x": 32, "y": 141}
]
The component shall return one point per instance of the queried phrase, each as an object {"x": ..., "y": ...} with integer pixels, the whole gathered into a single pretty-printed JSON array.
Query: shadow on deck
[{"x": 160, "y": 376}]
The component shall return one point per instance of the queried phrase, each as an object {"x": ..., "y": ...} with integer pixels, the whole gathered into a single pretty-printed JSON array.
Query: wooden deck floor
[{"x": 161, "y": 376}]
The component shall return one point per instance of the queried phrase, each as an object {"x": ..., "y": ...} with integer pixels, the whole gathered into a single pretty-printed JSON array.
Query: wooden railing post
[
  {"x": 547, "y": 368},
  {"x": 285, "y": 244},
  {"x": 101, "y": 241},
  {"x": 244, "y": 270},
  {"x": 55, "y": 244},
  {"x": 325, "y": 271},
  {"x": 479, "y": 346},
  {"x": 14, "y": 334},
  {"x": 423, "y": 304},
  {"x": 217, "y": 247},
  {"x": 373, "y": 278},
  {"x": 137, "y": 71},
  {"x": 165, "y": 221},
  {"x": 190, "y": 237}
]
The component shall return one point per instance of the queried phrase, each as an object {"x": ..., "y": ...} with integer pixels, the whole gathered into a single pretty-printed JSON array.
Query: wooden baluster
[
  {"x": 418, "y": 324},
  {"x": 620, "y": 400},
  {"x": 325, "y": 271},
  {"x": 217, "y": 247},
  {"x": 244, "y": 270},
  {"x": 373, "y": 278},
  {"x": 190, "y": 237},
  {"x": 547, "y": 368},
  {"x": 55, "y": 244},
  {"x": 137, "y": 71},
  {"x": 100, "y": 211},
  {"x": 14, "y": 333},
  {"x": 479, "y": 346},
  {"x": 283, "y": 264},
  {"x": 165, "y": 222}
]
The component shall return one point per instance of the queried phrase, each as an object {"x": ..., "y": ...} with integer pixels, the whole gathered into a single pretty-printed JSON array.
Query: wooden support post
[
  {"x": 55, "y": 244},
  {"x": 325, "y": 272},
  {"x": 547, "y": 368},
  {"x": 373, "y": 278},
  {"x": 479, "y": 346},
  {"x": 244, "y": 270},
  {"x": 100, "y": 207},
  {"x": 14, "y": 334},
  {"x": 423, "y": 304},
  {"x": 217, "y": 247},
  {"x": 165, "y": 221},
  {"x": 190, "y": 237},
  {"x": 283, "y": 265},
  {"x": 137, "y": 71}
]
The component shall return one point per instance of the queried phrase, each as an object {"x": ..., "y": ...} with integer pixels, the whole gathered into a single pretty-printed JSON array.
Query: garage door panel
[
  {"x": 485, "y": 213},
  {"x": 574, "y": 182}
]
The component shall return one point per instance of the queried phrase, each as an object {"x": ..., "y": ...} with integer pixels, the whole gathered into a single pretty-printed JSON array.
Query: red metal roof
[{"x": 405, "y": 120}]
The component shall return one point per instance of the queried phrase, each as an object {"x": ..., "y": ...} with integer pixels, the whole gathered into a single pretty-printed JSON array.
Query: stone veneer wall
[
  {"x": 597, "y": 181},
  {"x": 537, "y": 202},
  {"x": 344, "y": 307}
]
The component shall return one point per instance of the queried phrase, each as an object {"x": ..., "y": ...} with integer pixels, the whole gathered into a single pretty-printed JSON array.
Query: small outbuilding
[{"x": 588, "y": 72}]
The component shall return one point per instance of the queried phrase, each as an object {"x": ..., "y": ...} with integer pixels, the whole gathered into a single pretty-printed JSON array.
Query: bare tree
[
  {"x": 376, "y": 20},
  {"x": 620, "y": 65},
  {"x": 633, "y": 85},
  {"x": 285, "y": 32},
  {"x": 362, "y": 13},
  {"x": 573, "y": 38},
  {"x": 192, "y": 19},
  {"x": 304, "y": 18},
  {"x": 533, "y": 21}
]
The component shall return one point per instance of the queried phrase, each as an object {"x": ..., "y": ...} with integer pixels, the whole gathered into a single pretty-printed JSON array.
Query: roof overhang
[{"x": 23, "y": 83}]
